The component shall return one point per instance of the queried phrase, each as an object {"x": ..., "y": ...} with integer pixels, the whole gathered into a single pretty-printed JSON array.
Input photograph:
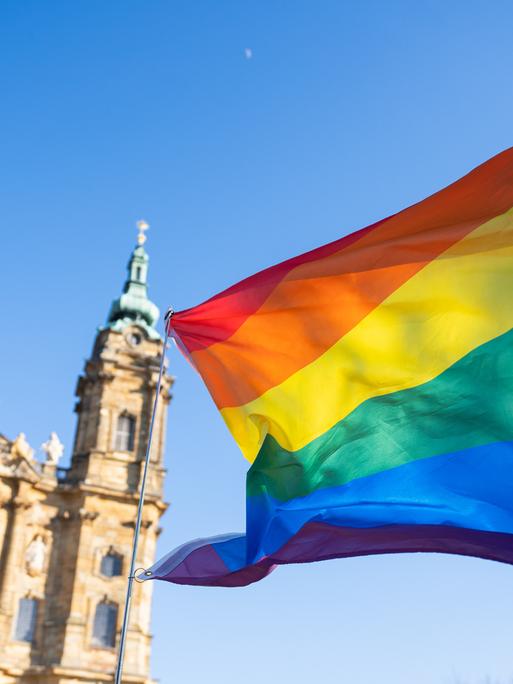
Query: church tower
[{"x": 60, "y": 614}]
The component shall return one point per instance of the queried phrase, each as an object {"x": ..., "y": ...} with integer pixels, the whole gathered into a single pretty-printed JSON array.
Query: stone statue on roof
[
  {"x": 53, "y": 449},
  {"x": 20, "y": 447}
]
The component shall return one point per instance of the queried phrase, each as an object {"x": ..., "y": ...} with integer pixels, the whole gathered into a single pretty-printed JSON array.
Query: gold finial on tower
[{"x": 143, "y": 227}]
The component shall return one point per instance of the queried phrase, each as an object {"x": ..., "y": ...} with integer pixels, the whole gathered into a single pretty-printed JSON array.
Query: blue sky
[{"x": 346, "y": 112}]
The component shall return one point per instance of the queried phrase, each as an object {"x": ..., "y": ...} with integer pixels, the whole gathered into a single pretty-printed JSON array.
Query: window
[
  {"x": 111, "y": 564},
  {"x": 104, "y": 627},
  {"x": 138, "y": 273},
  {"x": 125, "y": 433},
  {"x": 26, "y": 622},
  {"x": 134, "y": 339}
]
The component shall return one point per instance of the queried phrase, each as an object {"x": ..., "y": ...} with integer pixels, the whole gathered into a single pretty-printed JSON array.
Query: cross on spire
[{"x": 142, "y": 226}]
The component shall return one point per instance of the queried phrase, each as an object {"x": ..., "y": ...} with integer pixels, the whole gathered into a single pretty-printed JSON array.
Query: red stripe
[
  {"x": 480, "y": 195},
  {"x": 225, "y": 312}
]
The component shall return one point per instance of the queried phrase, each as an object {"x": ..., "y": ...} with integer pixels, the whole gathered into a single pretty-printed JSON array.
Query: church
[{"x": 66, "y": 533}]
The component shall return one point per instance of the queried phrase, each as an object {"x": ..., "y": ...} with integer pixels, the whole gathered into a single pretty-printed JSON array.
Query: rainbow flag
[{"x": 370, "y": 385}]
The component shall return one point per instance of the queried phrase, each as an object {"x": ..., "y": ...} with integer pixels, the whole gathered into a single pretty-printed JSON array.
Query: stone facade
[{"x": 66, "y": 534}]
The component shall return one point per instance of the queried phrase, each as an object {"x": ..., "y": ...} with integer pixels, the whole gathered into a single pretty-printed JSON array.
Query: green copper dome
[{"x": 134, "y": 307}]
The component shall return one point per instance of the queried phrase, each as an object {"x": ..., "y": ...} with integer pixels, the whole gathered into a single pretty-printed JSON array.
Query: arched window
[
  {"x": 26, "y": 620},
  {"x": 125, "y": 430},
  {"x": 111, "y": 564},
  {"x": 104, "y": 626}
]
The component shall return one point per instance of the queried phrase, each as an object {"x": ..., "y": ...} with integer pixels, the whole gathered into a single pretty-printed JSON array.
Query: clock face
[{"x": 134, "y": 339}]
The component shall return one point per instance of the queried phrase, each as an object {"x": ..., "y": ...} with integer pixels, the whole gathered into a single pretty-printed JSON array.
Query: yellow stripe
[{"x": 457, "y": 302}]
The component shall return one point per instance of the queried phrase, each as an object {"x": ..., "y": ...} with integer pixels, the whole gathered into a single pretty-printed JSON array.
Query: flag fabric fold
[{"x": 370, "y": 385}]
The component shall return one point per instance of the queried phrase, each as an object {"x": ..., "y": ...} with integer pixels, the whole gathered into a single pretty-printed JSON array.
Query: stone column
[
  {"x": 75, "y": 636},
  {"x": 13, "y": 567}
]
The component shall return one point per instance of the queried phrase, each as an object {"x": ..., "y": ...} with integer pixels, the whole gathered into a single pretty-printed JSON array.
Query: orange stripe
[
  {"x": 305, "y": 316},
  {"x": 320, "y": 300},
  {"x": 485, "y": 192},
  {"x": 219, "y": 317}
]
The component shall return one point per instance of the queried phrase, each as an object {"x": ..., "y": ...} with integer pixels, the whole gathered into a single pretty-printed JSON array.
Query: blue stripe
[
  {"x": 472, "y": 489},
  {"x": 232, "y": 552}
]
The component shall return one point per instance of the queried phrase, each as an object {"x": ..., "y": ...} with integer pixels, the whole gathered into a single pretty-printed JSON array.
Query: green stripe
[{"x": 468, "y": 405}]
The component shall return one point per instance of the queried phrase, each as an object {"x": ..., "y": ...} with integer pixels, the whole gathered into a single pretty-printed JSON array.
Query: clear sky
[{"x": 346, "y": 112}]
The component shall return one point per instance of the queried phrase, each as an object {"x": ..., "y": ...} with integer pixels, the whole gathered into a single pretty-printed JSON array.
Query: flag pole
[{"x": 131, "y": 576}]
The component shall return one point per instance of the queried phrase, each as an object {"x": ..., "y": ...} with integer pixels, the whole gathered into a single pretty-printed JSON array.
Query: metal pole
[{"x": 131, "y": 576}]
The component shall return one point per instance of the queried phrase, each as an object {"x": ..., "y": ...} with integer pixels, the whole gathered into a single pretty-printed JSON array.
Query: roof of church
[{"x": 133, "y": 307}]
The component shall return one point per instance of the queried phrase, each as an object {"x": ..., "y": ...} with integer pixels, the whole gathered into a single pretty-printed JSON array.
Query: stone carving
[
  {"x": 35, "y": 556},
  {"x": 53, "y": 449},
  {"x": 87, "y": 516},
  {"x": 20, "y": 447}
]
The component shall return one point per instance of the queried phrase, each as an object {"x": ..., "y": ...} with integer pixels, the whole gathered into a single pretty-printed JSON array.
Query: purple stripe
[{"x": 320, "y": 541}]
